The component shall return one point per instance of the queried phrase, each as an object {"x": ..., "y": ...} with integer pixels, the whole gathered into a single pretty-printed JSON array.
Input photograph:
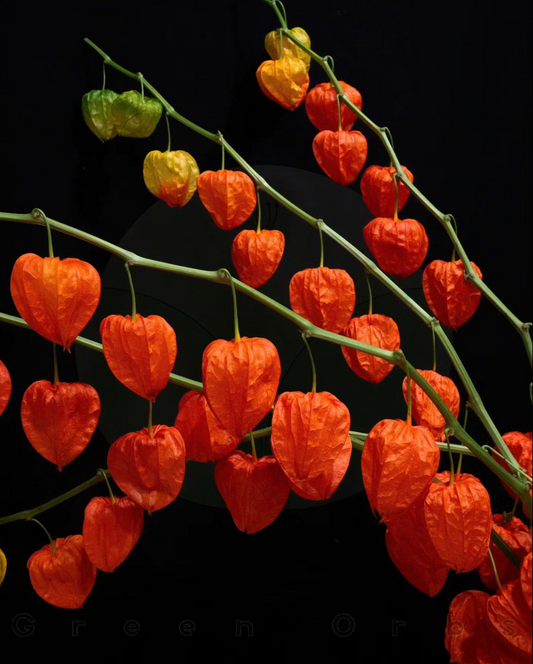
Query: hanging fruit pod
[
  {"x": 5, "y": 387},
  {"x": 96, "y": 110},
  {"x": 322, "y": 109},
  {"x": 241, "y": 381},
  {"x": 255, "y": 490},
  {"x": 111, "y": 530},
  {"x": 399, "y": 246},
  {"x": 449, "y": 296},
  {"x": 64, "y": 578},
  {"x": 205, "y": 437},
  {"x": 411, "y": 550},
  {"x": 228, "y": 196},
  {"x": 324, "y": 296},
  {"x": 526, "y": 580},
  {"x": 149, "y": 466},
  {"x": 425, "y": 413},
  {"x": 3, "y": 566},
  {"x": 509, "y": 620},
  {"x": 375, "y": 330},
  {"x": 459, "y": 520},
  {"x": 57, "y": 298},
  {"x": 256, "y": 255},
  {"x": 379, "y": 191},
  {"x": 140, "y": 353},
  {"x": 285, "y": 81},
  {"x": 340, "y": 154},
  {"x": 519, "y": 445},
  {"x": 135, "y": 115},
  {"x": 59, "y": 420},
  {"x": 171, "y": 176},
  {"x": 290, "y": 48},
  {"x": 311, "y": 442},
  {"x": 398, "y": 464}
]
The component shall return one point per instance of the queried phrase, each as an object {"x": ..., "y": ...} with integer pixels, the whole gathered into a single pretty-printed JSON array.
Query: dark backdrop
[{"x": 452, "y": 82}]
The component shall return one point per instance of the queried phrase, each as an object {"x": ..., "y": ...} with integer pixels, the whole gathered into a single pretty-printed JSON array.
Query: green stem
[
  {"x": 281, "y": 17},
  {"x": 47, "y": 534},
  {"x": 150, "y": 416},
  {"x": 56, "y": 372},
  {"x": 409, "y": 398},
  {"x": 258, "y": 196},
  {"x": 367, "y": 276},
  {"x": 495, "y": 570},
  {"x": 223, "y": 147},
  {"x": 434, "y": 348},
  {"x": 252, "y": 441},
  {"x": 459, "y": 464},
  {"x": 452, "y": 473},
  {"x": 38, "y": 214},
  {"x": 169, "y": 143},
  {"x": 321, "y": 244},
  {"x": 133, "y": 298},
  {"x": 227, "y": 275},
  {"x": 103, "y": 76},
  {"x": 339, "y": 111},
  {"x": 104, "y": 473},
  {"x": 313, "y": 367},
  {"x": 280, "y": 33},
  {"x": 141, "y": 80},
  {"x": 394, "y": 177}
]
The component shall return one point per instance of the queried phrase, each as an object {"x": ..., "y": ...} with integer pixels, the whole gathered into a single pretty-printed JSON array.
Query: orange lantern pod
[
  {"x": 63, "y": 578},
  {"x": 285, "y": 81},
  {"x": 111, "y": 530},
  {"x": 411, "y": 550},
  {"x": 509, "y": 620},
  {"x": 526, "y": 580},
  {"x": 425, "y": 413},
  {"x": 228, "y": 196},
  {"x": 311, "y": 442},
  {"x": 321, "y": 106},
  {"x": 240, "y": 380},
  {"x": 255, "y": 490},
  {"x": 59, "y": 420},
  {"x": 459, "y": 520},
  {"x": 256, "y": 255},
  {"x": 467, "y": 636},
  {"x": 205, "y": 437},
  {"x": 149, "y": 466},
  {"x": 518, "y": 537},
  {"x": 171, "y": 176},
  {"x": 324, "y": 296},
  {"x": 375, "y": 330},
  {"x": 140, "y": 353},
  {"x": 57, "y": 298},
  {"x": 519, "y": 445},
  {"x": 451, "y": 298},
  {"x": 399, "y": 246},
  {"x": 340, "y": 154},
  {"x": 398, "y": 463},
  {"x": 5, "y": 387},
  {"x": 379, "y": 191}
]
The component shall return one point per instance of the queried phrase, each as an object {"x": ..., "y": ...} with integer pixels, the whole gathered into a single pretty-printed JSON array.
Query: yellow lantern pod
[
  {"x": 171, "y": 176},
  {"x": 290, "y": 49},
  {"x": 285, "y": 81}
]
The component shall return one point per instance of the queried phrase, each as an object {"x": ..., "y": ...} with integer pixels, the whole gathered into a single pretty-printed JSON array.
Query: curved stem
[
  {"x": 169, "y": 143},
  {"x": 133, "y": 298},
  {"x": 47, "y": 534},
  {"x": 434, "y": 348},
  {"x": 395, "y": 178},
  {"x": 367, "y": 277},
  {"x": 409, "y": 418},
  {"x": 452, "y": 470},
  {"x": 495, "y": 570},
  {"x": 227, "y": 274},
  {"x": 321, "y": 244},
  {"x": 103, "y": 472},
  {"x": 150, "y": 415},
  {"x": 252, "y": 441},
  {"x": 258, "y": 196},
  {"x": 56, "y": 372},
  {"x": 313, "y": 367}
]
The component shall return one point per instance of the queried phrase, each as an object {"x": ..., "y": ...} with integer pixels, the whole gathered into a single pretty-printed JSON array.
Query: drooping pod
[
  {"x": 65, "y": 578},
  {"x": 5, "y": 387},
  {"x": 285, "y": 81},
  {"x": 149, "y": 466},
  {"x": 451, "y": 298},
  {"x": 57, "y": 298},
  {"x": 519, "y": 445},
  {"x": 321, "y": 106},
  {"x": 375, "y": 330},
  {"x": 228, "y": 196},
  {"x": 379, "y": 191},
  {"x": 255, "y": 490},
  {"x": 59, "y": 420},
  {"x": 324, "y": 296},
  {"x": 96, "y": 108},
  {"x": 135, "y": 115},
  {"x": 311, "y": 442},
  {"x": 290, "y": 48},
  {"x": 509, "y": 620},
  {"x": 257, "y": 255},
  {"x": 340, "y": 154},
  {"x": 171, "y": 176},
  {"x": 140, "y": 353}
]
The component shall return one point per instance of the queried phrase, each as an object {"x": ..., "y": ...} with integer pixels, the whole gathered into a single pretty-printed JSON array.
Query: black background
[{"x": 452, "y": 82}]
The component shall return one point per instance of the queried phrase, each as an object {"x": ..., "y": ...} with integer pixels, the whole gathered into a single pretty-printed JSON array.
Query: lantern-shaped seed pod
[
  {"x": 205, "y": 437},
  {"x": 64, "y": 578},
  {"x": 5, "y": 387},
  {"x": 3, "y": 566},
  {"x": 398, "y": 463},
  {"x": 425, "y": 412},
  {"x": 509, "y": 621},
  {"x": 241, "y": 381},
  {"x": 340, "y": 154},
  {"x": 285, "y": 81},
  {"x": 526, "y": 579},
  {"x": 149, "y": 466},
  {"x": 449, "y": 296},
  {"x": 111, "y": 530},
  {"x": 321, "y": 107},
  {"x": 468, "y": 638},
  {"x": 135, "y": 115},
  {"x": 256, "y": 255},
  {"x": 140, "y": 353},
  {"x": 379, "y": 191},
  {"x": 399, "y": 247},
  {"x": 171, "y": 176},
  {"x": 59, "y": 420},
  {"x": 255, "y": 490},
  {"x": 459, "y": 520},
  {"x": 519, "y": 445},
  {"x": 96, "y": 110},
  {"x": 57, "y": 298},
  {"x": 311, "y": 442},
  {"x": 228, "y": 196},
  {"x": 324, "y": 296},
  {"x": 290, "y": 48},
  {"x": 375, "y": 330}
]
